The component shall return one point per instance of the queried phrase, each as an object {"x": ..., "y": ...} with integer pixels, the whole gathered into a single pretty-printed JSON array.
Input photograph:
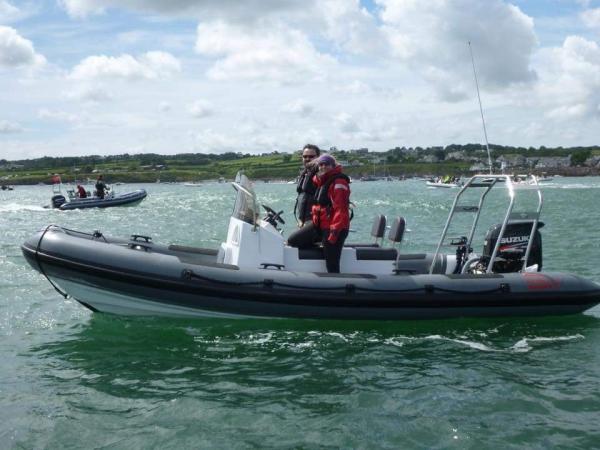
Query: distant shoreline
[
  {"x": 400, "y": 162},
  {"x": 122, "y": 178}
]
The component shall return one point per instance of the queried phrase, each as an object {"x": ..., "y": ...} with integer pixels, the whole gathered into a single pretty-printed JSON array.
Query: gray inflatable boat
[
  {"x": 126, "y": 199},
  {"x": 255, "y": 274},
  {"x": 111, "y": 199}
]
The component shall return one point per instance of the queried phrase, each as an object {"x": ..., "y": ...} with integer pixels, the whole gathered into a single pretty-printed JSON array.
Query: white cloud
[
  {"x": 59, "y": 116},
  {"x": 9, "y": 127},
  {"x": 90, "y": 93},
  {"x": 372, "y": 127},
  {"x": 16, "y": 51},
  {"x": 240, "y": 11},
  {"x": 209, "y": 141},
  {"x": 83, "y": 8},
  {"x": 300, "y": 107},
  {"x": 277, "y": 53},
  {"x": 346, "y": 123},
  {"x": 349, "y": 73},
  {"x": 345, "y": 22},
  {"x": 591, "y": 17},
  {"x": 355, "y": 87},
  {"x": 163, "y": 63},
  {"x": 567, "y": 112},
  {"x": 265, "y": 142},
  {"x": 8, "y": 12},
  {"x": 150, "y": 65},
  {"x": 432, "y": 37},
  {"x": 164, "y": 107},
  {"x": 351, "y": 27},
  {"x": 570, "y": 83},
  {"x": 250, "y": 127},
  {"x": 201, "y": 108}
]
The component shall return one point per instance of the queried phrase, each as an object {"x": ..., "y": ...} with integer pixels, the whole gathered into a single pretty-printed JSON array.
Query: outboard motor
[
  {"x": 513, "y": 247},
  {"x": 58, "y": 200}
]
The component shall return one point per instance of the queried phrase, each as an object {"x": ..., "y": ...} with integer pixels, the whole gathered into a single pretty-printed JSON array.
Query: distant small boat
[
  {"x": 439, "y": 184},
  {"x": 524, "y": 180},
  {"x": 192, "y": 184},
  {"x": 444, "y": 182},
  {"x": 59, "y": 201},
  {"x": 128, "y": 198},
  {"x": 368, "y": 178}
]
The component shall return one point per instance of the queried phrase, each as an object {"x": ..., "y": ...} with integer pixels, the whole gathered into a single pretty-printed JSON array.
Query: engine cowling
[
  {"x": 513, "y": 246},
  {"x": 58, "y": 200}
]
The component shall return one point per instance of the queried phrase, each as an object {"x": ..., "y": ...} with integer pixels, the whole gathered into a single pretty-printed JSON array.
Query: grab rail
[{"x": 489, "y": 181}]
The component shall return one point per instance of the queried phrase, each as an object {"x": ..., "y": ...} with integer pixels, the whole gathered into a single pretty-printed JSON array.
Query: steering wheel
[{"x": 273, "y": 214}]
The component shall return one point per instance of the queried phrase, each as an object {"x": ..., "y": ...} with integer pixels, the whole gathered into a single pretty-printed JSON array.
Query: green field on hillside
[{"x": 147, "y": 168}]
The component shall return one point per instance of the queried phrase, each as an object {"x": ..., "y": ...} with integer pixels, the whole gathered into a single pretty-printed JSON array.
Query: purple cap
[{"x": 327, "y": 160}]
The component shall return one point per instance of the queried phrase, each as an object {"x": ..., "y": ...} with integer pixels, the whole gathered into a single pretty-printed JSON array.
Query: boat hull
[
  {"x": 441, "y": 185},
  {"x": 127, "y": 199},
  {"x": 155, "y": 302},
  {"x": 132, "y": 278}
]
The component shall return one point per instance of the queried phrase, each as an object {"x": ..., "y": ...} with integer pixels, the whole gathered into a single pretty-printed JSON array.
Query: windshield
[{"x": 245, "y": 207}]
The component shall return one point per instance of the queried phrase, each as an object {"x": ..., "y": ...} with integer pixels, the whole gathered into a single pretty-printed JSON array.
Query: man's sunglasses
[{"x": 308, "y": 156}]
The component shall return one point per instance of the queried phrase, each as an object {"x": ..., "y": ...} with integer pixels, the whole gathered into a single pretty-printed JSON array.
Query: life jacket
[
  {"x": 305, "y": 183},
  {"x": 323, "y": 214},
  {"x": 306, "y": 190},
  {"x": 322, "y": 194}
]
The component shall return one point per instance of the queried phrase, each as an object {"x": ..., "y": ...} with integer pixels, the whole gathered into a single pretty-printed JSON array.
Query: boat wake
[
  {"x": 553, "y": 185},
  {"x": 15, "y": 207}
]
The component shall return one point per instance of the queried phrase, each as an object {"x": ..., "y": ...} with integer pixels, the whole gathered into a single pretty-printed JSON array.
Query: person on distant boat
[
  {"x": 101, "y": 188},
  {"x": 306, "y": 187},
  {"x": 81, "y": 191},
  {"x": 330, "y": 213}
]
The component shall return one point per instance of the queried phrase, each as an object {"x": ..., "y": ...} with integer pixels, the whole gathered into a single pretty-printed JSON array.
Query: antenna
[{"x": 481, "y": 109}]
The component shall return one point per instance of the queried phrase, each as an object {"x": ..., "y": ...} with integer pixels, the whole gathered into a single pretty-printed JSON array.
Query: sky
[{"x": 82, "y": 77}]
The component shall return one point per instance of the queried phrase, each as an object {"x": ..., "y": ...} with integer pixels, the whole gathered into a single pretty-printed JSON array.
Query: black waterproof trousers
[{"x": 308, "y": 235}]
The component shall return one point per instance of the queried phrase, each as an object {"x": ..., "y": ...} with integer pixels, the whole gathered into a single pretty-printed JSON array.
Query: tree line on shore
[{"x": 149, "y": 167}]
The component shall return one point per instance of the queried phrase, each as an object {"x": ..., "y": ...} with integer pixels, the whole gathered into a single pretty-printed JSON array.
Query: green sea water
[{"x": 70, "y": 378}]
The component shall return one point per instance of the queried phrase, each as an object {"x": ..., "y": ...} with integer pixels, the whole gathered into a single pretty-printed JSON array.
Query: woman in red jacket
[{"x": 330, "y": 213}]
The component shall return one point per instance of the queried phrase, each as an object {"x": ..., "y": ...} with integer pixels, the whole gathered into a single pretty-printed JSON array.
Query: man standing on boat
[
  {"x": 306, "y": 187},
  {"x": 100, "y": 187},
  {"x": 330, "y": 213}
]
